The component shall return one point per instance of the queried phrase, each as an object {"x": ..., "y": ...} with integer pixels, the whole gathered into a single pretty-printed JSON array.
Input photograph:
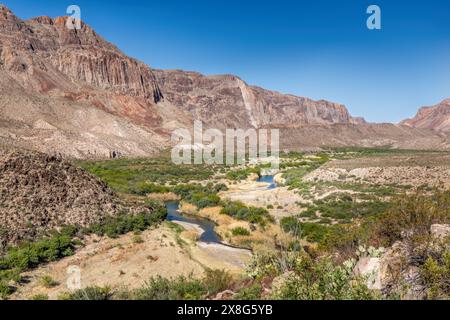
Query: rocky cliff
[{"x": 436, "y": 117}]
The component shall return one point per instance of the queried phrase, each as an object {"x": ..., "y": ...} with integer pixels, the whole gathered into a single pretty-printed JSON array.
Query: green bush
[
  {"x": 436, "y": 275},
  {"x": 181, "y": 288},
  {"x": 5, "y": 290},
  {"x": 249, "y": 293},
  {"x": 216, "y": 281},
  {"x": 240, "y": 231},
  {"x": 240, "y": 211},
  {"x": 48, "y": 282},
  {"x": 91, "y": 293},
  {"x": 322, "y": 280},
  {"x": 125, "y": 223}
]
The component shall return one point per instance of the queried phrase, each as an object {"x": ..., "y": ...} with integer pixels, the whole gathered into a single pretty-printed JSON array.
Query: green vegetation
[
  {"x": 181, "y": 288},
  {"x": 199, "y": 195},
  {"x": 242, "y": 174},
  {"x": 60, "y": 244},
  {"x": 90, "y": 293},
  {"x": 125, "y": 223},
  {"x": 300, "y": 277},
  {"x": 240, "y": 231},
  {"x": 345, "y": 207},
  {"x": 436, "y": 272},
  {"x": 40, "y": 297},
  {"x": 136, "y": 176},
  {"x": 48, "y": 282},
  {"x": 240, "y": 211}
]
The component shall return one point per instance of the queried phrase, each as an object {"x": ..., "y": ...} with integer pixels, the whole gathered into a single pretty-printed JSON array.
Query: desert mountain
[
  {"x": 72, "y": 92},
  {"x": 436, "y": 117}
]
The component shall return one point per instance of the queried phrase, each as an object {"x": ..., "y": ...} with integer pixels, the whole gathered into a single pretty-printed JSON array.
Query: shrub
[
  {"x": 137, "y": 239},
  {"x": 249, "y": 293},
  {"x": 5, "y": 290},
  {"x": 216, "y": 281},
  {"x": 251, "y": 214},
  {"x": 240, "y": 231},
  {"x": 436, "y": 275},
  {"x": 91, "y": 293},
  {"x": 322, "y": 280},
  {"x": 124, "y": 223},
  {"x": 40, "y": 297},
  {"x": 48, "y": 282},
  {"x": 181, "y": 288},
  {"x": 144, "y": 188}
]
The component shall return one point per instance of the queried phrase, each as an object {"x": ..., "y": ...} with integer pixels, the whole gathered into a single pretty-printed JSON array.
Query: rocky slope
[
  {"x": 39, "y": 192},
  {"x": 436, "y": 117}
]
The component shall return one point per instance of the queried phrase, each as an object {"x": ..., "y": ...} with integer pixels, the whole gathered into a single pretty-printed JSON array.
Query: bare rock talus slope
[
  {"x": 39, "y": 192},
  {"x": 436, "y": 117}
]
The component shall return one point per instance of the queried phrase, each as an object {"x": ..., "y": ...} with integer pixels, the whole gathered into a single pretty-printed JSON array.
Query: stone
[{"x": 440, "y": 231}]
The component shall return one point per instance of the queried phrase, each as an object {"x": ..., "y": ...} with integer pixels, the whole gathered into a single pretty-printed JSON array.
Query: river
[{"x": 208, "y": 235}]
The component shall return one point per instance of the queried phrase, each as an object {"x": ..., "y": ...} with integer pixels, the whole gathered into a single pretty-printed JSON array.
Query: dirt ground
[{"x": 126, "y": 263}]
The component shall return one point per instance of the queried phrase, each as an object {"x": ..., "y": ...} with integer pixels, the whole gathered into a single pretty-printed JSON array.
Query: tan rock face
[
  {"x": 227, "y": 101},
  {"x": 436, "y": 117}
]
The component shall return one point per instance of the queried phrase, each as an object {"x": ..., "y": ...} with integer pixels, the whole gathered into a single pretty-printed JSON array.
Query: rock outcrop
[
  {"x": 396, "y": 272},
  {"x": 436, "y": 117},
  {"x": 39, "y": 192}
]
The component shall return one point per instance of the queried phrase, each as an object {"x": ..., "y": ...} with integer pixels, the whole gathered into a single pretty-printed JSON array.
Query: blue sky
[{"x": 320, "y": 49}]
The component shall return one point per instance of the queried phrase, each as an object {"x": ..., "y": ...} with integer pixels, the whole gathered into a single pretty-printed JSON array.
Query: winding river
[
  {"x": 208, "y": 235},
  {"x": 268, "y": 179}
]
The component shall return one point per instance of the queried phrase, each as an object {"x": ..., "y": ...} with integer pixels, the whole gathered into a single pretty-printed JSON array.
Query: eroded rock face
[
  {"x": 436, "y": 117},
  {"x": 227, "y": 101}
]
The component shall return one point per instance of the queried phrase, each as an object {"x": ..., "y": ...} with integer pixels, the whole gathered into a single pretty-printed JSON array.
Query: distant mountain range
[{"x": 72, "y": 92}]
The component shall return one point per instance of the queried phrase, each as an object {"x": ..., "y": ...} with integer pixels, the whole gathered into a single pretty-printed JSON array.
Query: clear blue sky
[{"x": 317, "y": 48}]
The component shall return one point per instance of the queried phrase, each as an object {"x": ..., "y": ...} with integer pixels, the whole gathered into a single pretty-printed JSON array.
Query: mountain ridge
[{"x": 73, "y": 92}]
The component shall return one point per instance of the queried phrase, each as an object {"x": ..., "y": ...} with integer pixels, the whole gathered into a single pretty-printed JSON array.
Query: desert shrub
[
  {"x": 137, "y": 239},
  {"x": 124, "y": 223},
  {"x": 410, "y": 215},
  {"x": 252, "y": 292},
  {"x": 240, "y": 211},
  {"x": 144, "y": 188},
  {"x": 322, "y": 280},
  {"x": 240, "y": 231},
  {"x": 344, "y": 207},
  {"x": 5, "y": 290},
  {"x": 125, "y": 175},
  {"x": 91, "y": 293},
  {"x": 242, "y": 174},
  {"x": 48, "y": 282},
  {"x": 312, "y": 232},
  {"x": 198, "y": 195},
  {"x": 30, "y": 255},
  {"x": 216, "y": 281},
  {"x": 181, "y": 288},
  {"x": 436, "y": 275},
  {"x": 40, "y": 297}
]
